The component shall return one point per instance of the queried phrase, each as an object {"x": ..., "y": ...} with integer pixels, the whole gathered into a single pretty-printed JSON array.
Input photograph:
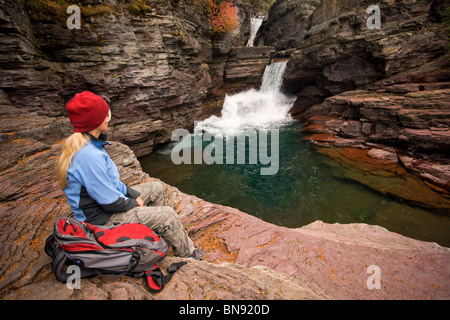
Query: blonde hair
[{"x": 73, "y": 143}]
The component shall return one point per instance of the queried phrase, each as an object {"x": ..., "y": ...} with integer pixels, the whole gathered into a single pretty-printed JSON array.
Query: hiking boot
[{"x": 198, "y": 254}]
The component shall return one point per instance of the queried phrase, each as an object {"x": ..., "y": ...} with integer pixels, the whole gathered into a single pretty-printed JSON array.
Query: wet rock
[
  {"x": 245, "y": 67},
  {"x": 363, "y": 118},
  {"x": 399, "y": 114},
  {"x": 422, "y": 185},
  {"x": 381, "y": 154}
]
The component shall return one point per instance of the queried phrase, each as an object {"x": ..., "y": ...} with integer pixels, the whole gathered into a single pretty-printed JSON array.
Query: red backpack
[{"x": 130, "y": 248}]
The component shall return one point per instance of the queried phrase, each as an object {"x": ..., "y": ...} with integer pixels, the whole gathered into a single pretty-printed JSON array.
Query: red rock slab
[
  {"x": 355, "y": 164},
  {"x": 313, "y": 128},
  {"x": 321, "y": 260},
  {"x": 325, "y": 139},
  {"x": 331, "y": 259}
]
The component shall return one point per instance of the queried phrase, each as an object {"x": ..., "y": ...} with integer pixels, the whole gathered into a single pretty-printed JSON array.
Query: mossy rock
[
  {"x": 139, "y": 7},
  {"x": 54, "y": 11},
  {"x": 50, "y": 11}
]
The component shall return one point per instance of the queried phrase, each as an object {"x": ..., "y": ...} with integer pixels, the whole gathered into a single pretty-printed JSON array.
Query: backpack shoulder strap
[
  {"x": 156, "y": 280},
  {"x": 51, "y": 248},
  {"x": 57, "y": 267}
]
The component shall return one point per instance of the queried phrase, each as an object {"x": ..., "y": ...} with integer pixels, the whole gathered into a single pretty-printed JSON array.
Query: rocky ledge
[
  {"x": 245, "y": 67},
  {"x": 247, "y": 257},
  {"x": 374, "y": 99},
  {"x": 397, "y": 127}
]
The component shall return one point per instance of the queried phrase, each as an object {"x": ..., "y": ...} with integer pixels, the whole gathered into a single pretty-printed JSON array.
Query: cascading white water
[
  {"x": 273, "y": 77},
  {"x": 255, "y": 24},
  {"x": 261, "y": 109}
]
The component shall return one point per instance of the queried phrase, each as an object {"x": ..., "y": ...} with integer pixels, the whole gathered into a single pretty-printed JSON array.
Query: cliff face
[
  {"x": 384, "y": 89},
  {"x": 149, "y": 62},
  {"x": 334, "y": 50}
]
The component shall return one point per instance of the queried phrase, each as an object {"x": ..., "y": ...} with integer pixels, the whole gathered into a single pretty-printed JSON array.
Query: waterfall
[
  {"x": 255, "y": 23},
  {"x": 273, "y": 76},
  {"x": 261, "y": 109}
]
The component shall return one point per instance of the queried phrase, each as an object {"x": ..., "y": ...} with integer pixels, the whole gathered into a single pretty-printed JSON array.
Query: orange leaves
[{"x": 223, "y": 16}]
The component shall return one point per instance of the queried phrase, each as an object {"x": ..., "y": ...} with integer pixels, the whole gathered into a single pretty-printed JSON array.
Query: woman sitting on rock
[{"x": 91, "y": 180}]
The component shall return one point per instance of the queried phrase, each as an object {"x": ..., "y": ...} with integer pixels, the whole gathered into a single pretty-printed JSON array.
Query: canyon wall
[
  {"x": 157, "y": 66},
  {"x": 154, "y": 62},
  {"x": 384, "y": 91},
  {"x": 150, "y": 62}
]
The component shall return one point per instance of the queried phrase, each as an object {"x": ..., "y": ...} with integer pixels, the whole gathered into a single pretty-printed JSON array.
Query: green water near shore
[{"x": 302, "y": 191}]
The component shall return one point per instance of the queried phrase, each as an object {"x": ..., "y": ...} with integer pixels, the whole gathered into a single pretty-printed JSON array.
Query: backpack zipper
[{"x": 69, "y": 223}]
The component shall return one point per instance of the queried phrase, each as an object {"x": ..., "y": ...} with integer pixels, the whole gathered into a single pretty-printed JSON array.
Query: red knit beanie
[{"x": 87, "y": 111}]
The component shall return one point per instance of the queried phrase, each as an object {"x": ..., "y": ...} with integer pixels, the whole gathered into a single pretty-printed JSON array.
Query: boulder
[{"x": 381, "y": 154}]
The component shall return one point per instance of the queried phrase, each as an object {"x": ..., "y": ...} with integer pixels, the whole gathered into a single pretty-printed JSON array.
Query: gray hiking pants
[{"x": 157, "y": 216}]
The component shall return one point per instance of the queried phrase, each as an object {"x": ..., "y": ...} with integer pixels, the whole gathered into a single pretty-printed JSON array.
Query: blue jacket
[{"x": 94, "y": 190}]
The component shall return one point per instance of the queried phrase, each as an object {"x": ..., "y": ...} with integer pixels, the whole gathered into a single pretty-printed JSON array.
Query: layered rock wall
[
  {"x": 154, "y": 62},
  {"x": 245, "y": 67},
  {"x": 337, "y": 52},
  {"x": 358, "y": 87},
  {"x": 149, "y": 63}
]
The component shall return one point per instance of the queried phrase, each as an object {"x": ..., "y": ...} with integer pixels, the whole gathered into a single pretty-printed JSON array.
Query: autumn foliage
[{"x": 223, "y": 16}]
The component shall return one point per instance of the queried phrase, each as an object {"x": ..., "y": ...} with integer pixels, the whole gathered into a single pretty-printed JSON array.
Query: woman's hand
[{"x": 140, "y": 202}]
